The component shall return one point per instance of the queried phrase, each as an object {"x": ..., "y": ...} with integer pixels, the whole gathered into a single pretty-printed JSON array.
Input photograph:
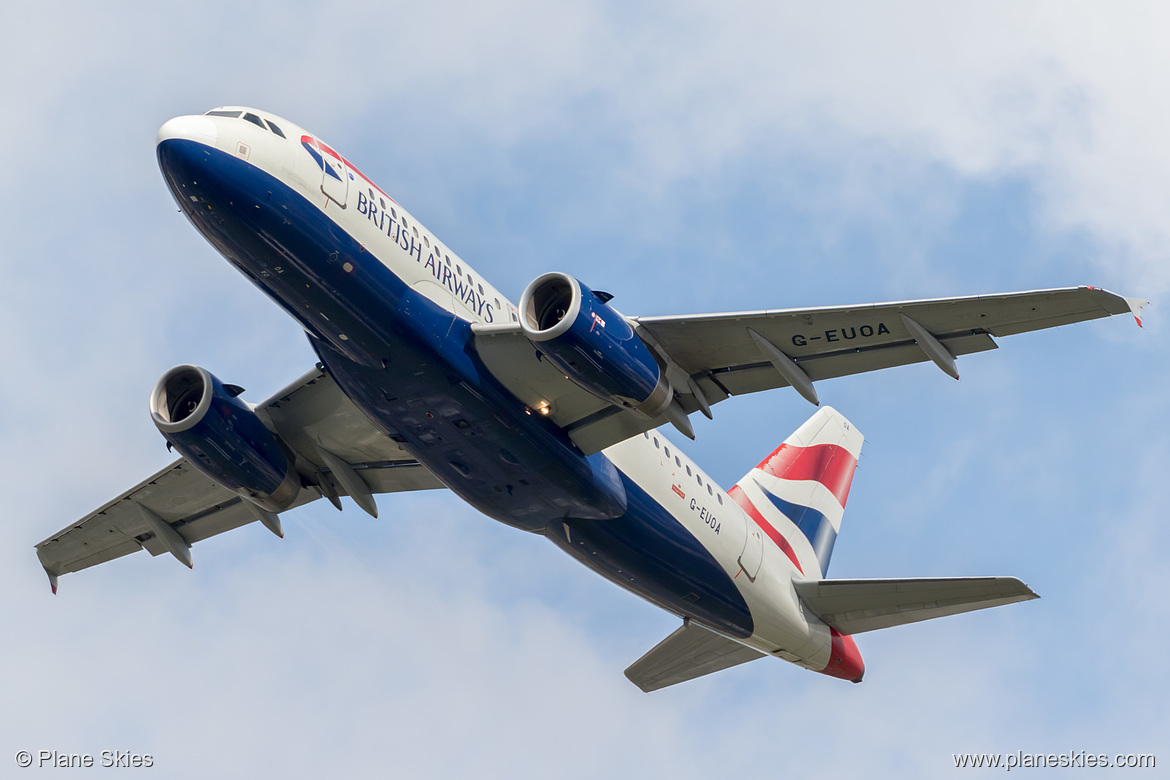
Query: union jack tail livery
[
  {"x": 797, "y": 494},
  {"x": 792, "y": 505}
]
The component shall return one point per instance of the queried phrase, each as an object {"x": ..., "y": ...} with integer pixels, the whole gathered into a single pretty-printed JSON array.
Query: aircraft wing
[
  {"x": 854, "y": 606},
  {"x": 310, "y": 413},
  {"x": 710, "y": 357},
  {"x": 691, "y": 651}
]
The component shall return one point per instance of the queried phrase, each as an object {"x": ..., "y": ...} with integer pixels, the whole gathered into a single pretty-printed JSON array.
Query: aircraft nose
[{"x": 189, "y": 128}]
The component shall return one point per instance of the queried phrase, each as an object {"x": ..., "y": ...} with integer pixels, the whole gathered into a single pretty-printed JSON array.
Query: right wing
[
  {"x": 310, "y": 413},
  {"x": 691, "y": 651},
  {"x": 709, "y": 357},
  {"x": 854, "y": 606}
]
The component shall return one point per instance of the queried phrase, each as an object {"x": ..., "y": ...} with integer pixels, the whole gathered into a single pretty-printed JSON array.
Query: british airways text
[{"x": 388, "y": 223}]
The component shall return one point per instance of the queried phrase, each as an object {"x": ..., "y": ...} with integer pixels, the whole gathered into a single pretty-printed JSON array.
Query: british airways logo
[{"x": 311, "y": 147}]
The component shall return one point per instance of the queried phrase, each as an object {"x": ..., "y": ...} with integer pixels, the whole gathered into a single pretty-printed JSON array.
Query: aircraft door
[
  {"x": 334, "y": 178},
  {"x": 753, "y": 550}
]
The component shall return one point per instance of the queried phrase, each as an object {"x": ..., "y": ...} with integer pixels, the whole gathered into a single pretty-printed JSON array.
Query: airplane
[{"x": 541, "y": 414}]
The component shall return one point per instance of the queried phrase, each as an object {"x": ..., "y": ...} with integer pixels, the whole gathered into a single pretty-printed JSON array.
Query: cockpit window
[
  {"x": 275, "y": 129},
  {"x": 255, "y": 120},
  {"x": 232, "y": 114}
]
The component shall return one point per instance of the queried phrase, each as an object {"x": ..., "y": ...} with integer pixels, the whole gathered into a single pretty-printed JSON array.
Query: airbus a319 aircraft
[{"x": 541, "y": 415}]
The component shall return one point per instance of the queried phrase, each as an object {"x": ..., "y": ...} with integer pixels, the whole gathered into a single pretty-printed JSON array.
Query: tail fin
[{"x": 797, "y": 494}]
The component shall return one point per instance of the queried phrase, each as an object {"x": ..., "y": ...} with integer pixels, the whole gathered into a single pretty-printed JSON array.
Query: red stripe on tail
[
  {"x": 829, "y": 464},
  {"x": 736, "y": 494}
]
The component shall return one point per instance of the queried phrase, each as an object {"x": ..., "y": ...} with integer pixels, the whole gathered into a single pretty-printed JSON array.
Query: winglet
[
  {"x": 1135, "y": 306},
  {"x": 52, "y": 580}
]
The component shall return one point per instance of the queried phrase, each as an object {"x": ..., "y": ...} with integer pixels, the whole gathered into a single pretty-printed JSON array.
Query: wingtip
[{"x": 1135, "y": 307}]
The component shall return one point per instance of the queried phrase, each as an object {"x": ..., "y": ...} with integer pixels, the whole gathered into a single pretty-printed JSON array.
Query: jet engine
[
  {"x": 220, "y": 435},
  {"x": 591, "y": 343}
]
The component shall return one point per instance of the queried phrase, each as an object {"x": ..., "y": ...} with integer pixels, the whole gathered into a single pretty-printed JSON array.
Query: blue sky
[{"x": 686, "y": 157}]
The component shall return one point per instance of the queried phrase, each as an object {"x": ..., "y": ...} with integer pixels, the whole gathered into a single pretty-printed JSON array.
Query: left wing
[
  {"x": 710, "y": 357},
  {"x": 179, "y": 506}
]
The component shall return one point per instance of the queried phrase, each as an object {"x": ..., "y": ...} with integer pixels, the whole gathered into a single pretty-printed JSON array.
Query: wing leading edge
[
  {"x": 710, "y": 357},
  {"x": 311, "y": 415}
]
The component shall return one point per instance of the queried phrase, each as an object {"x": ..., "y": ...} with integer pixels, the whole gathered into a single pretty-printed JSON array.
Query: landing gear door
[{"x": 334, "y": 177}]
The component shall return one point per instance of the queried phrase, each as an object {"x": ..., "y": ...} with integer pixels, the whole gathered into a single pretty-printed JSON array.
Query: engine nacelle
[
  {"x": 577, "y": 331},
  {"x": 222, "y": 437}
]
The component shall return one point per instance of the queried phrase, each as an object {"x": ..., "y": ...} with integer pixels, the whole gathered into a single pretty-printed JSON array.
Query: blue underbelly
[{"x": 649, "y": 552}]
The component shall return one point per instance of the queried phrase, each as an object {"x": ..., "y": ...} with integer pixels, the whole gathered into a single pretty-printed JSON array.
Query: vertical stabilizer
[{"x": 797, "y": 494}]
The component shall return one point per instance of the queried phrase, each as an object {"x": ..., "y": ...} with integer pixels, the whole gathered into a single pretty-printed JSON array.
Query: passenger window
[
  {"x": 700, "y": 480},
  {"x": 667, "y": 451},
  {"x": 677, "y": 462},
  {"x": 427, "y": 242},
  {"x": 688, "y": 471},
  {"x": 272, "y": 126},
  {"x": 393, "y": 213},
  {"x": 719, "y": 498},
  {"x": 480, "y": 289},
  {"x": 255, "y": 120},
  {"x": 655, "y": 442},
  {"x": 710, "y": 492}
]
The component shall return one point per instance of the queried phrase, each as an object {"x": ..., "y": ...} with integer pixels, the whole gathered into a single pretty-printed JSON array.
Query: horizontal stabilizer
[
  {"x": 691, "y": 651},
  {"x": 854, "y": 606}
]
